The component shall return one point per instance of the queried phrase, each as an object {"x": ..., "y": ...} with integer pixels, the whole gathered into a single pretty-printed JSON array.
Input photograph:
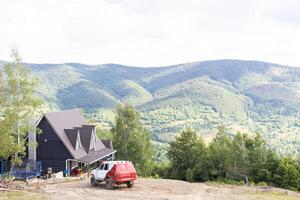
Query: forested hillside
[{"x": 246, "y": 96}]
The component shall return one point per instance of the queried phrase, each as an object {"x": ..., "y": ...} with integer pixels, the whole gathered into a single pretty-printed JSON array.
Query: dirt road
[{"x": 157, "y": 189}]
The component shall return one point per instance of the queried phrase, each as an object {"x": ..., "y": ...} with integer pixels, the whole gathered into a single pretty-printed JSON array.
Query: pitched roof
[{"x": 66, "y": 124}]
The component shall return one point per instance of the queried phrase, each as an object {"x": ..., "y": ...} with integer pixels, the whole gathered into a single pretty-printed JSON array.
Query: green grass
[{"x": 22, "y": 196}]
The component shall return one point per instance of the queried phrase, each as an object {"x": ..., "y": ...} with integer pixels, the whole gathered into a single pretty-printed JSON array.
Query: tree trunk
[{"x": 12, "y": 164}]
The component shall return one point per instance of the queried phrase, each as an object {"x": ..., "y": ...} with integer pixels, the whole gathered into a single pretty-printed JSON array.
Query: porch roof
[{"x": 94, "y": 156}]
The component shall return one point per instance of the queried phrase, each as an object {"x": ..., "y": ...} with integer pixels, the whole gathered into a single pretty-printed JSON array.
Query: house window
[{"x": 95, "y": 135}]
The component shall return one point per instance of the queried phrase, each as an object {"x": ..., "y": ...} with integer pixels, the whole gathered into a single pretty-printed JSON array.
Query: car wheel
[
  {"x": 130, "y": 184},
  {"x": 109, "y": 184},
  {"x": 93, "y": 181}
]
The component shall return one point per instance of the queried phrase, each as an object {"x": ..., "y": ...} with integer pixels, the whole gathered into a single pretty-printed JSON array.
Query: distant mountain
[{"x": 243, "y": 95}]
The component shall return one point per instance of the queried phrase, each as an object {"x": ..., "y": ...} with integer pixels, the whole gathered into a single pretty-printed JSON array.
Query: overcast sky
[{"x": 150, "y": 32}]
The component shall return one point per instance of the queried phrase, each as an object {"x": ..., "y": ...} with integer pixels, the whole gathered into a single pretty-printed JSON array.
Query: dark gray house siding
[{"x": 50, "y": 150}]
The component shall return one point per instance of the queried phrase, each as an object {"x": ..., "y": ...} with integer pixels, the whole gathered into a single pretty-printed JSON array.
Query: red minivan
[{"x": 114, "y": 173}]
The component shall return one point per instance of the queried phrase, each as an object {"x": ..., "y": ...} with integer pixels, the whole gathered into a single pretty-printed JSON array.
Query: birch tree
[{"x": 20, "y": 105}]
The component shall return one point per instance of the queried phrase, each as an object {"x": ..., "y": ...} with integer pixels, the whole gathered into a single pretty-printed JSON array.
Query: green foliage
[
  {"x": 2, "y": 90},
  {"x": 19, "y": 108},
  {"x": 5, "y": 139},
  {"x": 230, "y": 158},
  {"x": 104, "y": 134},
  {"x": 132, "y": 140},
  {"x": 160, "y": 150},
  {"x": 288, "y": 174},
  {"x": 161, "y": 169},
  {"x": 220, "y": 154},
  {"x": 229, "y": 181},
  {"x": 256, "y": 96},
  {"x": 184, "y": 152}
]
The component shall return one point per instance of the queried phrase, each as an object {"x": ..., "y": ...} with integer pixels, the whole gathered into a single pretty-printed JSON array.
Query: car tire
[
  {"x": 93, "y": 181},
  {"x": 130, "y": 184},
  {"x": 109, "y": 184}
]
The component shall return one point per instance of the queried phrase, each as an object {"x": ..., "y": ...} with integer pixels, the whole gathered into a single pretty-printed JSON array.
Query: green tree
[
  {"x": 260, "y": 159},
  {"x": 104, "y": 134},
  {"x": 20, "y": 106},
  {"x": 132, "y": 140},
  {"x": 220, "y": 154},
  {"x": 5, "y": 139},
  {"x": 2, "y": 90},
  {"x": 239, "y": 155},
  {"x": 184, "y": 153},
  {"x": 287, "y": 174}
]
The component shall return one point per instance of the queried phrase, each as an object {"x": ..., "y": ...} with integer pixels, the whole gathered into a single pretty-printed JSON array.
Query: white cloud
[{"x": 150, "y": 32}]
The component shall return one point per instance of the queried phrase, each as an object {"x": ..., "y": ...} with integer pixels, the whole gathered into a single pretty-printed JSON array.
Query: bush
[
  {"x": 189, "y": 175},
  {"x": 229, "y": 158},
  {"x": 161, "y": 170},
  {"x": 229, "y": 181}
]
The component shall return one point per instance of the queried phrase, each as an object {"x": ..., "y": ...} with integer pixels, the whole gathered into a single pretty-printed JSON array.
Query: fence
[{"x": 28, "y": 169}]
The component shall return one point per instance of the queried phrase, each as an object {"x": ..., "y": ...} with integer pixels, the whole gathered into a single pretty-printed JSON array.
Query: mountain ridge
[
  {"x": 242, "y": 95},
  {"x": 150, "y": 67}
]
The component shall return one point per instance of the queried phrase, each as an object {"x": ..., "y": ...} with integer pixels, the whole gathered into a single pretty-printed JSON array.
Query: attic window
[
  {"x": 93, "y": 140},
  {"x": 95, "y": 134},
  {"x": 78, "y": 142}
]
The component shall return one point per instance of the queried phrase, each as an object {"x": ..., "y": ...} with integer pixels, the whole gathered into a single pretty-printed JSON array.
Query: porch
[{"x": 75, "y": 167}]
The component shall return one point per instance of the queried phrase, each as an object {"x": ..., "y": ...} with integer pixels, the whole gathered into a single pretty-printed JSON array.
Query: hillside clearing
[{"x": 155, "y": 189}]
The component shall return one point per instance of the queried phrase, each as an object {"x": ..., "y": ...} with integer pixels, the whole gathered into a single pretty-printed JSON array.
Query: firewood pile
[{"x": 10, "y": 185}]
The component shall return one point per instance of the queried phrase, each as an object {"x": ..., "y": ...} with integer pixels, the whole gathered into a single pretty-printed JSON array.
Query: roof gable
[
  {"x": 89, "y": 138},
  {"x": 72, "y": 135},
  {"x": 85, "y": 136}
]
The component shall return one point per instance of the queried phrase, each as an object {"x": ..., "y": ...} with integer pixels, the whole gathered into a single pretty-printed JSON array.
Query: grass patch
[{"x": 22, "y": 196}]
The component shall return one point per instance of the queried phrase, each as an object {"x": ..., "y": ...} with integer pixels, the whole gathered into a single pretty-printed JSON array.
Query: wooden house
[{"x": 66, "y": 141}]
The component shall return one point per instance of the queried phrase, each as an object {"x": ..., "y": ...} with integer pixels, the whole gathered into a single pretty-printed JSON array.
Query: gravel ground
[{"x": 157, "y": 189}]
